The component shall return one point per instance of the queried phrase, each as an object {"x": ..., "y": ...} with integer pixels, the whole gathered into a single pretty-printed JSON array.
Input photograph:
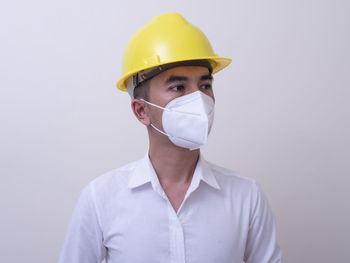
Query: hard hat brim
[{"x": 218, "y": 63}]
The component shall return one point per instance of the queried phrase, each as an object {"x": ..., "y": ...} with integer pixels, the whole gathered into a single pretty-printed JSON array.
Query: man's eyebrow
[
  {"x": 174, "y": 78},
  {"x": 207, "y": 77}
]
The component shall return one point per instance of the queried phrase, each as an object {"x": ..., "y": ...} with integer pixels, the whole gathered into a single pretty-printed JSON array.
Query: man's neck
[{"x": 173, "y": 165}]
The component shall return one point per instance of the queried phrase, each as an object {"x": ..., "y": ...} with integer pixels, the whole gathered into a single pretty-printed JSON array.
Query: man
[{"x": 172, "y": 206}]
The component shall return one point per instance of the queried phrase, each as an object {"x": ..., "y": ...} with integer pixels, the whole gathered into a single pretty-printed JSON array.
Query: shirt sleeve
[
  {"x": 262, "y": 246},
  {"x": 84, "y": 239}
]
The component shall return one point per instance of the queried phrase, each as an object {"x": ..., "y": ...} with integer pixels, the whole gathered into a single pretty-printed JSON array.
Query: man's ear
[{"x": 140, "y": 110}]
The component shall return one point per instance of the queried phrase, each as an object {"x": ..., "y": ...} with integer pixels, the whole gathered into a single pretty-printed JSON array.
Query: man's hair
[{"x": 142, "y": 90}]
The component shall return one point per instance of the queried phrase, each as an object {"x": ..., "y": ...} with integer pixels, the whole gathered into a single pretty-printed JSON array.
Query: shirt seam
[{"x": 93, "y": 197}]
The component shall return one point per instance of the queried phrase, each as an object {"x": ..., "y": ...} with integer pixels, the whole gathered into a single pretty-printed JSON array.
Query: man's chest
[{"x": 206, "y": 229}]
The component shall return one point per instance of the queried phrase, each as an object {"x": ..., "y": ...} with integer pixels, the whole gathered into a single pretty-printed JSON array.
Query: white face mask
[{"x": 187, "y": 120}]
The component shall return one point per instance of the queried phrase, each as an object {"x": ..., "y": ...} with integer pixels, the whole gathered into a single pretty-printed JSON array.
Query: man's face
[{"x": 174, "y": 83}]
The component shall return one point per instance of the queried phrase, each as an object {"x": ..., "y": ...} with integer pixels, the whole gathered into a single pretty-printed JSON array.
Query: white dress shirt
[{"x": 126, "y": 217}]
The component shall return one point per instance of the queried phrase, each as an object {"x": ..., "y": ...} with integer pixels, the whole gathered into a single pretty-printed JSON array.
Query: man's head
[{"x": 167, "y": 70}]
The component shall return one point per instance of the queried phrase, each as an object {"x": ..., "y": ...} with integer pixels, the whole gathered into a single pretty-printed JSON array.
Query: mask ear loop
[
  {"x": 155, "y": 105},
  {"x": 162, "y": 108},
  {"x": 154, "y": 127}
]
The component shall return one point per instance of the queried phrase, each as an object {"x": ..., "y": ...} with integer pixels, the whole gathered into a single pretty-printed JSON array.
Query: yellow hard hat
[{"x": 167, "y": 38}]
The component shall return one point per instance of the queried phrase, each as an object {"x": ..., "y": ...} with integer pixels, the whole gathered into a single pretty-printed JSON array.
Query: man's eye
[
  {"x": 206, "y": 86},
  {"x": 177, "y": 88}
]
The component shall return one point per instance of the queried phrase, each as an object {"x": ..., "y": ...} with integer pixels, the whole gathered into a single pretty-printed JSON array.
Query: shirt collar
[
  {"x": 141, "y": 174},
  {"x": 206, "y": 173},
  {"x": 144, "y": 173}
]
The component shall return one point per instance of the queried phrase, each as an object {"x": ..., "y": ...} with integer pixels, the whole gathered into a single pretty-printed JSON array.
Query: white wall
[{"x": 282, "y": 113}]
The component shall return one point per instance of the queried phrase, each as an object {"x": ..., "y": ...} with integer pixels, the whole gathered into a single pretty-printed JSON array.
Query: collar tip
[{"x": 132, "y": 185}]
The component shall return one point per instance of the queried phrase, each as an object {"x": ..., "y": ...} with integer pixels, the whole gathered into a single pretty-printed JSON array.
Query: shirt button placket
[{"x": 176, "y": 237}]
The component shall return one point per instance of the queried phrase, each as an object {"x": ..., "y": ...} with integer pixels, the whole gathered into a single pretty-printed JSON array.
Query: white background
[{"x": 282, "y": 114}]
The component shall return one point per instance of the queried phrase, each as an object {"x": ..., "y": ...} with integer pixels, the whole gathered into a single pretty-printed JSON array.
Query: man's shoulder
[
  {"x": 228, "y": 177},
  {"x": 116, "y": 178}
]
